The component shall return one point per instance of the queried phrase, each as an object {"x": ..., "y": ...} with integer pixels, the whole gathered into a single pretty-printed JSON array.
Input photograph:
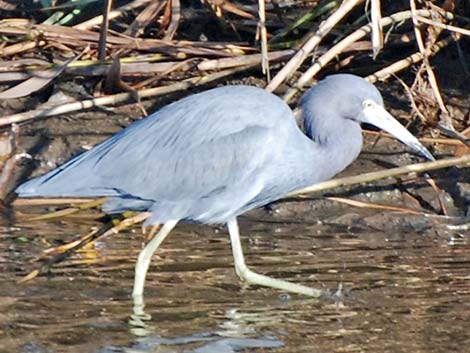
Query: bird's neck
[{"x": 334, "y": 146}]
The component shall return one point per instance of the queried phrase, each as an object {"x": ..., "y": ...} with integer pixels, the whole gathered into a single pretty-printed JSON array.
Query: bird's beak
[{"x": 376, "y": 115}]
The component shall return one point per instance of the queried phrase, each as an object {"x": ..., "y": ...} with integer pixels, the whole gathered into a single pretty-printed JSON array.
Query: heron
[{"x": 215, "y": 155}]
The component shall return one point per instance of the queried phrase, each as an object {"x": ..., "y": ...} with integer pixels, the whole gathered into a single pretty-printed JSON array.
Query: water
[{"x": 402, "y": 291}]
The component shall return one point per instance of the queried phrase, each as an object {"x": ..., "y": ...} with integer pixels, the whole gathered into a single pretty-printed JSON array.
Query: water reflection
[
  {"x": 407, "y": 291},
  {"x": 237, "y": 332},
  {"x": 211, "y": 343}
]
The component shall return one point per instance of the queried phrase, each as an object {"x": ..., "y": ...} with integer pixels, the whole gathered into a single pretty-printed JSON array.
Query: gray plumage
[{"x": 217, "y": 154}]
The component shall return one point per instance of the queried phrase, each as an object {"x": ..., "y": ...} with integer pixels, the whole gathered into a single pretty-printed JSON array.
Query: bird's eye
[{"x": 367, "y": 104}]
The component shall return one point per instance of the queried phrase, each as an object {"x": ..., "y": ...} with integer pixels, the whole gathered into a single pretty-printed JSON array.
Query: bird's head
[{"x": 350, "y": 97}]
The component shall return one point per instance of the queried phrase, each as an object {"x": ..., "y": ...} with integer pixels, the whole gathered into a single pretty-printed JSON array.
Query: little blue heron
[{"x": 214, "y": 155}]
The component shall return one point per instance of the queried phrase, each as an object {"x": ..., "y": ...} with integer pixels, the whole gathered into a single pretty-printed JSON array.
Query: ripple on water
[{"x": 401, "y": 291}]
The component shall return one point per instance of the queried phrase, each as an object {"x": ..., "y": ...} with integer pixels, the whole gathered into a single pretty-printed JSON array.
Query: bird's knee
[{"x": 245, "y": 274}]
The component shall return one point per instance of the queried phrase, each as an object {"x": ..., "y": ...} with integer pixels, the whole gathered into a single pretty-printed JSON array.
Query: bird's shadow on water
[
  {"x": 211, "y": 343},
  {"x": 237, "y": 331}
]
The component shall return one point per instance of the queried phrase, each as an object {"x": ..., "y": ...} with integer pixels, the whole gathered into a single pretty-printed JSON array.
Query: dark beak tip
[{"x": 428, "y": 155}]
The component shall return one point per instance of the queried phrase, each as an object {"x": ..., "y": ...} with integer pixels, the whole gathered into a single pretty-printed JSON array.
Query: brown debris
[{"x": 8, "y": 150}]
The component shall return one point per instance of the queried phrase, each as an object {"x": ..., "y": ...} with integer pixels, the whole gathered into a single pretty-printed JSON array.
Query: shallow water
[{"x": 402, "y": 290}]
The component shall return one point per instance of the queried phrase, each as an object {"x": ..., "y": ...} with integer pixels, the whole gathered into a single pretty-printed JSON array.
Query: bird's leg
[
  {"x": 254, "y": 278},
  {"x": 144, "y": 258}
]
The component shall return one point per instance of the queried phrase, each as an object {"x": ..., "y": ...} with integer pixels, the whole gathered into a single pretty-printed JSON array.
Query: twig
[
  {"x": 454, "y": 134},
  {"x": 252, "y": 59},
  {"x": 39, "y": 80},
  {"x": 397, "y": 66},
  {"x": 175, "y": 8},
  {"x": 311, "y": 15},
  {"x": 377, "y": 32},
  {"x": 264, "y": 39},
  {"x": 431, "y": 140},
  {"x": 65, "y": 251},
  {"x": 412, "y": 100},
  {"x": 436, "y": 189},
  {"x": 451, "y": 28},
  {"x": 145, "y": 17},
  {"x": 373, "y": 176},
  {"x": 50, "y": 201},
  {"x": 178, "y": 66},
  {"x": 91, "y": 236},
  {"x": 70, "y": 210},
  {"x": 431, "y": 77},
  {"x": 371, "y": 205},
  {"x": 104, "y": 30},
  {"x": 311, "y": 44},
  {"x": 76, "y": 38},
  {"x": 343, "y": 44},
  {"x": 117, "y": 98},
  {"x": 8, "y": 159},
  {"x": 96, "y": 21}
]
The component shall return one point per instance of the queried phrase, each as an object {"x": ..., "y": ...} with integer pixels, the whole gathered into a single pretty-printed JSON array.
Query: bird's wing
[
  {"x": 206, "y": 182},
  {"x": 203, "y": 142},
  {"x": 196, "y": 171},
  {"x": 194, "y": 147}
]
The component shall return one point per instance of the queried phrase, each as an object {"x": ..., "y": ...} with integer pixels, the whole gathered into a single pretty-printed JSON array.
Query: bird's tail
[{"x": 68, "y": 180}]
